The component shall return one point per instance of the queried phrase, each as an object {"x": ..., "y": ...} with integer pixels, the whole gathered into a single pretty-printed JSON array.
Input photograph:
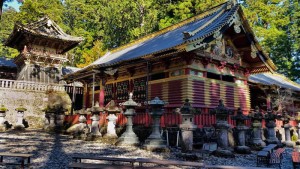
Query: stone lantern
[
  {"x": 3, "y": 111},
  {"x": 112, "y": 110},
  {"x": 241, "y": 128},
  {"x": 187, "y": 126},
  {"x": 82, "y": 128},
  {"x": 20, "y": 118},
  {"x": 222, "y": 125},
  {"x": 95, "y": 129},
  {"x": 256, "y": 119},
  {"x": 286, "y": 125},
  {"x": 298, "y": 121},
  {"x": 270, "y": 119},
  {"x": 154, "y": 142},
  {"x": 129, "y": 137}
]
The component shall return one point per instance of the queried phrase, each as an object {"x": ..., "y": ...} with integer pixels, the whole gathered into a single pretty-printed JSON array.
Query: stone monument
[
  {"x": 241, "y": 128},
  {"x": 256, "y": 119},
  {"x": 286, "y": 125},
  {"x": 155, "y": 142},
  {"x": 187, "y": 126},
  {"x": 95, "y": 128},
  {"x": 82, "y": 129},
  {"x": 112, "y": 110},
  {"x": 270, "y": 119},
  {"x": 20, "y": 119},
  {"x": 298, "y": 126},
  {"x": 129, "y": 137},
  {"x": 222, "y": 125},
  {"x": 3, "y": 125}
]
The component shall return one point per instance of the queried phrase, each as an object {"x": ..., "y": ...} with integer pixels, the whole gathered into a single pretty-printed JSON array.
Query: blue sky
[{"x": 13, "y": 4}]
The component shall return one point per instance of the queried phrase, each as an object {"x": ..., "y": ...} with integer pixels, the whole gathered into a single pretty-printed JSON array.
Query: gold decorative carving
[{"x": 253, "y": 51}]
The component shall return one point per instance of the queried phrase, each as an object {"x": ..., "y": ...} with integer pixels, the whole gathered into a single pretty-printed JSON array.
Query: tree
[
  {"x": 276, "y": 24},
  {"x": 6, "y": 26},
  {"x": 183, "y": 9}
]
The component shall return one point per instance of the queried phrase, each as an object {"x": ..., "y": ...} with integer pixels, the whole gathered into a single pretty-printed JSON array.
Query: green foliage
[
  {"x": 6, "y": 26},
  {"x": 276, "y": 24}
]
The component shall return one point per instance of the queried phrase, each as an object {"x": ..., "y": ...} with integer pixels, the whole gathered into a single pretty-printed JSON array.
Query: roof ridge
[
  {"x": 172, "y": 27},
  {"x": 194, "y": 32},
  {"x": 286, "y": 78}
]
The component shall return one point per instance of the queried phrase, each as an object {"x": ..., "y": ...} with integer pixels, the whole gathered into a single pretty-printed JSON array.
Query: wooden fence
[{"x": 167, "y": 120}]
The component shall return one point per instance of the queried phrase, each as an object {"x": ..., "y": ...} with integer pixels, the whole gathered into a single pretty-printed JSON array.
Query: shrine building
[
  {"x": 204, "y": 58},
  {"x": 29, "y": 78}
]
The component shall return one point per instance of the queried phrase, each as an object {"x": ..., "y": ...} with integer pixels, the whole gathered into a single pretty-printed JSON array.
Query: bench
[
  {"x": 262, "y": 158},
  {"x": 272, "y": 146},
  {"x": 78, "y": 159},
  {"x": 141, "y": 161},
  {"x": 78, "y": 163},
  {"x": 296, "y": 159},
  {"x": 24, "y": 159},
  {"x": 231, "y": 167},
  {"x": 276, "y": 156}
]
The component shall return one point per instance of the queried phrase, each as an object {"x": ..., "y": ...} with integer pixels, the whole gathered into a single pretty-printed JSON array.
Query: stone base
[
  {"x": 258, "y": 143},
  {"x": 289, "y": 143},
  {"x": 223, "y": 153},
  {"x": 188, "y": 156},
  {"x": 110, "y": 136},
  {"x": 242, "y": 150},
  {"x": 2, "y": 128},
  {"x": 93, "y": 138},
  {"x": 19, "y": 127},
  {"x": 272, "y": 141},
  {"x": 128, "y": 141},
  {"x": 156, "y": 145}
]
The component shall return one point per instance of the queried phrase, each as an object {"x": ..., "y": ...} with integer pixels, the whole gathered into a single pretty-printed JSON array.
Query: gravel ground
[{"x": 55, "y": 151}]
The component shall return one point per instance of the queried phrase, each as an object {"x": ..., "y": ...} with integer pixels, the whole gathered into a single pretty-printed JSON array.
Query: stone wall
[{"x": 34, "y": 101}]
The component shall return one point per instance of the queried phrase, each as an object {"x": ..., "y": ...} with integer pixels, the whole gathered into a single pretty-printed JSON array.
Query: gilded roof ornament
[{"x": 253, "y": 51}]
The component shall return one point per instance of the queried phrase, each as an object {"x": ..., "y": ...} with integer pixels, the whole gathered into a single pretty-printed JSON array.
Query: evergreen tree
[
  {"x": 6, "y": 26},
  {"x": 275, "y": 24}
]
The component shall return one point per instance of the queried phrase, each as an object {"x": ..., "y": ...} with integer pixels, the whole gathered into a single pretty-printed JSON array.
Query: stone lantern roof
[
  {"x": 112, "y": 107},
  {"x": 130, "y": 102},
  {"x": 187, "y": 108},
  {"x": 96, "y": 109},
  {"x": 221, "y": 109}
]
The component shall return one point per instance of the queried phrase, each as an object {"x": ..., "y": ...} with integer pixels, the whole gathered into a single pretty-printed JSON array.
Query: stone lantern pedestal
[
  {"x": 256, "y": 119},
  {"x": 272, "y": 139},
  {"x": 20, "y": 119},
  {"x": 129, "y": 137},
  {"x": 241, "y": 128},
  {"x": 270, "y": 124},
  {"x": 112, "y": 110},
  {"x": 257, "y": 133},
  {"x": 187, "y": 126},
  {"x": 286, "y": 125},
  {"x": 222, "y": 125},
  {"x": 95, "y": 128},
  {"x": 154, "y": 142},
  {"x": 82, "y": 129},
  {"x": 288, "y": 142},
  {"x": 3, "y": 111}
]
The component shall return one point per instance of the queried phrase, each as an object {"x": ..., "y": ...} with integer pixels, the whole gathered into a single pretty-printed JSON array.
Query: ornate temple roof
[
  {"x": 186, "y": 36},
  {"x": 274, "y": 79},
  {"x": 67, "y": 70},
  {"x": 44, "y": 28}
]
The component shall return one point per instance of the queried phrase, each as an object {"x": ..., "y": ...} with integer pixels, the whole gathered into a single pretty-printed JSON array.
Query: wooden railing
[
  {"x": 167, "y": 120},
  {"x": 25, "y": 85}
]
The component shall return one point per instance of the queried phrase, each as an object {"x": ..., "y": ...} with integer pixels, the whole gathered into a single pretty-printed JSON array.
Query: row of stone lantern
[
  {"x": 4, "y": 124},
  {"x": 153, "y": 142}
]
